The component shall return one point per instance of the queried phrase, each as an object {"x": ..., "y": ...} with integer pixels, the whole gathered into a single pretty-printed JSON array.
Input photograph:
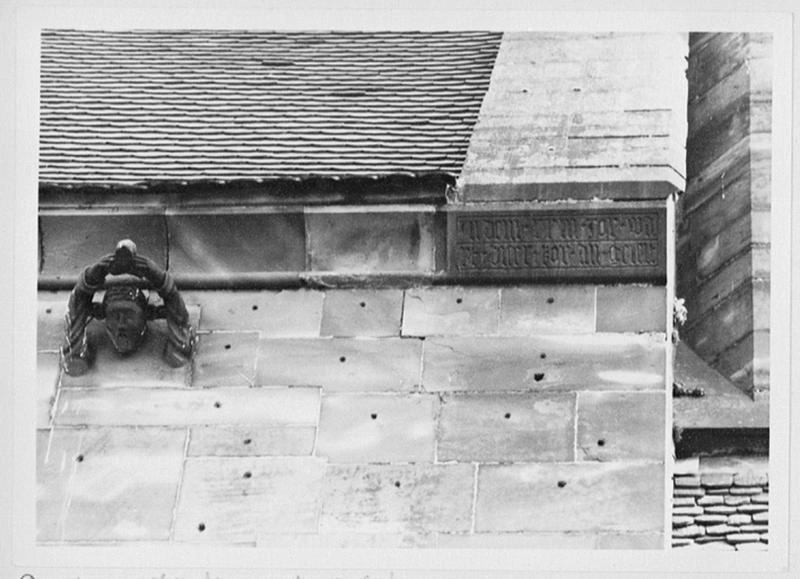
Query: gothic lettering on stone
[
  {"x": 125, "y": 309},
  {"x": 575, "y": 244}
]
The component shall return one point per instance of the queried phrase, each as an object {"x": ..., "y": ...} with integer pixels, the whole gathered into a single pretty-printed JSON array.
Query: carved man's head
[{"x": 126, "y": 317}]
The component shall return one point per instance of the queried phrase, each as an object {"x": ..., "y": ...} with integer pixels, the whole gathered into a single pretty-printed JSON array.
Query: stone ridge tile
[
  {"x": 144, "y": 368},
  {"x": 188, "y": 406},
  {"x": 621, "y": 425},
  {"x": 507, "y": 427},
  {"x": 107, "y": 484},
  {"x": 571, "y": 497},
  {"x": 73, "y": 241},
  {"x": 373, "y": 428},
  {"x": 276, "y": 314},
  {"x": 545, "y": 363},
  {"x": 220, "y": 243},
  {"x": 355, "y": 312},
  {"x": 450, "y": 311},
  {"x": 226, "y": 359},
  {"x": 529, "y": 311},
  {"x": 341, "y": 364},
  {"x": 48, "y": 373},
  {"x": 251, "y": 440},
  {"x": 371, "y": 242},
  {"x": 631, "y": 309},
  {"x": 233, "y": 500},
  {"x": 414, "y": 498},
  {"x": 50, "y": 322}
]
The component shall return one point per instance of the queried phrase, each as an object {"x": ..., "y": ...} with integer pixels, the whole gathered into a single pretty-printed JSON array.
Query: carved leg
[
  {"x": 76, "y": 355},
  {"x": 180, "y": 343}
]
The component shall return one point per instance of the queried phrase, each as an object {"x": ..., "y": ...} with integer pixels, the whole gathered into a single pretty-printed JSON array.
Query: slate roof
[{"x": 121, "y": 107}]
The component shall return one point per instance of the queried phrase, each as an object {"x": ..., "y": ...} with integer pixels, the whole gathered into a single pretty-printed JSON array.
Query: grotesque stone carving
[{"x": 126, "y": 311}]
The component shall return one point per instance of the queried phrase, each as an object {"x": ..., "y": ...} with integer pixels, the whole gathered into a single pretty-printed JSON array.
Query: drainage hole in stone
[
  {"x": 373, "y": 416},
  {"x": 543, "y": 355},
  {"x": 539, "y": 376},
  {"x": 201, "y": 527},
  {"x": 255, "y": 307},
  {"x": 397, "y": 483},
  {"x": 247, "y": 441},
  {"x": 247, "y": 474},
  {"x": 227, "y": 346},
  {"x": 217, "y": 405},
  {"x": 79, "y": 458},
  {"x": 508, "y": 415},
  {"x": 459, "y": 300},
  {"x": 550, "y": 300},
  {"x": 342, "y": 359},
  {"x": 601, "y": 442},
  {"x": 562, "y": 484},
  {"x": 49, "y": 311},
  {"x": 363, "y": 304}
]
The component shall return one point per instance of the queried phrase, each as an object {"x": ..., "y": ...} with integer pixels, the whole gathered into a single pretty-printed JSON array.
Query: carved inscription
[{"x": 605, "y": 244}]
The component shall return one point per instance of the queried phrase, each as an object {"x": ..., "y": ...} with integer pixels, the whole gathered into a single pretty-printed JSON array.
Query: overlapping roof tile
[{"x": 122, "y": 107}]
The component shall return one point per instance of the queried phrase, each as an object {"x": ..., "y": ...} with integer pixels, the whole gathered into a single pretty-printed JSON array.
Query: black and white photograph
[{"x": 416, "y": 289}]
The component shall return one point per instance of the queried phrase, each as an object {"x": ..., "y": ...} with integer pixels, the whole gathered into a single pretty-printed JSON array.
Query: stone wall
[
  {"x": 721, "y": 503},
  {"x": 723, "y": 235}
]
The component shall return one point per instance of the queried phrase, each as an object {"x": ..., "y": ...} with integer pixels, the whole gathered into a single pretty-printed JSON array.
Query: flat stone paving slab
[
  {"x": 507, "y": 427},
  {"x": 234, "y": 500},
  {"x": 415, "y": 498},
  {"x": 107, "y": 484},
  {"x": 226, "y": 359},
  {"x": 377, "y": 428},
  {"x": 356, "y": 312},
  {"x": 47, "y": 377},
  {"x": 341, "y": 364},
  {"x": 50, "y": 320},
  {"x": 631, "y": 309},
  {"x": 570, "y": 497},
  {"x": 621, "y": 426},
  {"x": 546, "y": 363},
  {"x": 529, "y": 311},
  {"x": 451, "y": 311},
  {"x": 185, "y": 407},
  {"x": 251, "y": 440},
  {"x": 276, "y": 314},
  {"x": 144, "y": 368}
]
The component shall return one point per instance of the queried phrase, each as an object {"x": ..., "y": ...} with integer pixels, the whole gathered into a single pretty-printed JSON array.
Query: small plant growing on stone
[{"x": 679, "y": 316}]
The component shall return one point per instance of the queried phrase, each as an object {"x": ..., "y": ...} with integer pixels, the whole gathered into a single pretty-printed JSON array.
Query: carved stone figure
[{"x": 126, "y": 310}]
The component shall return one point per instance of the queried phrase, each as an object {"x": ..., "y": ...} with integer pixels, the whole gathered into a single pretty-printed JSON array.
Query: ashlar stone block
[
  {"x": 226, "y": 359},
  {"x": 251, "y": 440},
  {"x": 530, "y": 311},
  {"x": 366, "y": 313},
  {"x": 451, "y": 311}
]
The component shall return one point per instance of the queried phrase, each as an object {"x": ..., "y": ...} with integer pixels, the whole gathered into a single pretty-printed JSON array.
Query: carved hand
[
  {"x": 148, "y": 269},
  {"x": 96, "y": 274}
]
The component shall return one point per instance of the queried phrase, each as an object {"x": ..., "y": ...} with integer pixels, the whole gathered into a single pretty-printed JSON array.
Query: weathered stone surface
[
  {"x": 226, "y": 359},
  {"x": 276, "y": 314},
  {"x": 687, "y": 511},
  {"x": 686, "y": 466},
  {"x": 688, "y": 532},
  {"x": 710, "y": 500},
  {"x": 377, "y": 428},
  {"x": 750, "y": 478},
  {"x": 66, "y": 253},
  {"x": 397, "y": 499},
  {"x": 234, "y": 500},
  {"x": 529, "y": 497},
  {"x": 631, "y": 309},
  {"x": 356, "y": 312},
  {"x": 530, "y": 311},
  {"x": 226, "y": 242},
  {"x": 451, "y": 311},
  {"x": 739, "y": 519},
  {"x": 341, "y": 364},
  {"x": 144, "y": 368},
  {"x": 574, "y": 362},
  {"x": 686, "y": 481},
  {"x": 47, "y": 377},
  {"x": 711, "y": 519},
  {"x": 557, "y": 243},
  {"x": 50, "y": 325},
  {"x": 179, "y": 407},
  {"x": 733, "y": 465},
  {"x": 371, "y": 241},
  {"x": 716, "y": 480},
  {"x": 762, "y": 498},
  {"x": 737, "y": 500},
  {"x": 107, "y": 484},
  {"x": 622, "y": 426},
  {"x": 251, "y": 441},
  {"x": 507, "y": 427}
]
